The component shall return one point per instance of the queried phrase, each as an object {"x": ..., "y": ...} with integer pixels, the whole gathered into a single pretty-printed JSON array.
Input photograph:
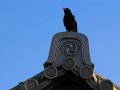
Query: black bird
[{"x": 69, "y": 21}]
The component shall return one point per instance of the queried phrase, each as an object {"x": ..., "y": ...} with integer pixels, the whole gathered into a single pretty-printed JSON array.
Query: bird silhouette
[{"x": 69, "y": 20}]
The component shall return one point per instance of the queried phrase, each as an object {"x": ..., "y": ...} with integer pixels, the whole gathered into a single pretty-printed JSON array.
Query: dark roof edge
[{"x": 101, "y": 77}]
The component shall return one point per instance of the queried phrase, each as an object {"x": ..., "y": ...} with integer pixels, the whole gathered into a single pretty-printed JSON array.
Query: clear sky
[{"x": 27, "y": 27}]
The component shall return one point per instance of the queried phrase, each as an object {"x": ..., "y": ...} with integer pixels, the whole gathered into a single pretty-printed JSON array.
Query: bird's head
[{"x": 67, "y": 11}]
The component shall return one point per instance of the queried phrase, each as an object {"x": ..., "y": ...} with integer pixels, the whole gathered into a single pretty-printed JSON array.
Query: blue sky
[{"x": 27, "y": 27}]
